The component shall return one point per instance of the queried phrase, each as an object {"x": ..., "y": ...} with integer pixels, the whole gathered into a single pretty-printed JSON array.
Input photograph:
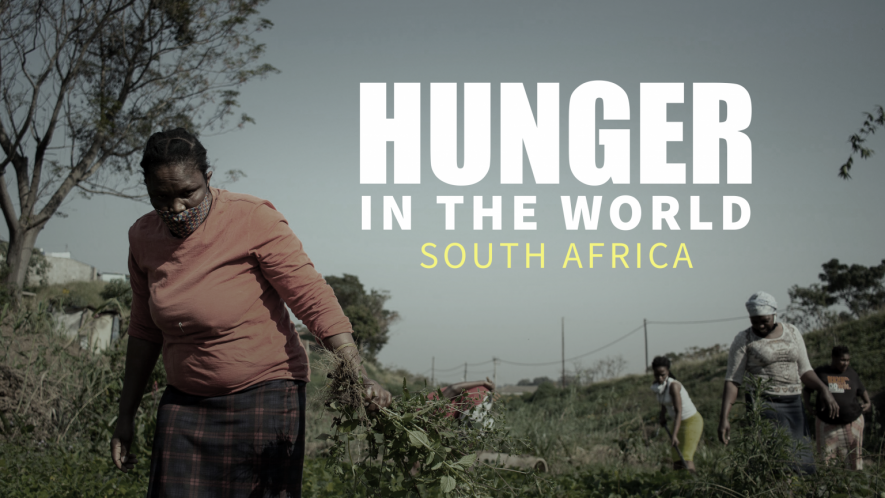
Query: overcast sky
[{"x": 810, "y": 68}]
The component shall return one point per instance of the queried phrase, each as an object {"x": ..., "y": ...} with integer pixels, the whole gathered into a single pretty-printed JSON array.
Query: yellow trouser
[{"x": 689, "y": 435}]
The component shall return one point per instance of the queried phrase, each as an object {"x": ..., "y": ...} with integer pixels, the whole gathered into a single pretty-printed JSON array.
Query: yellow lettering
[
  {"x": 638, "y": 255},
  {"x": 463, "y": 255},
  {"x": 509, "y": 245},
  {"x": 687, "y": 259},
  {"x": 476, "y": 256},
  {"x": 651, "y": 255},
  {"x": 431, "y": 256},
  {"x": 568, "y": 257},
  {"x": 528, "y": 254},
  {"x": 593, "y": 254},
  {"x": 615, "y": 254}
]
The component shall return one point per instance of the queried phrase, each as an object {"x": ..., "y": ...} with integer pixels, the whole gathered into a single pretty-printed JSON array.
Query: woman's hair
[
  {"x": 838, "y": 351},
  {"x": 173, "y": 147},
  {"x": 662, "y": 361}
]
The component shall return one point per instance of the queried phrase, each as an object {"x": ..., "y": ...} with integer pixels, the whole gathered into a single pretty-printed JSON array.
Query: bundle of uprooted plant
[
  {"x": 411, "y": 448},
  {"x": 343, "y": 385}
]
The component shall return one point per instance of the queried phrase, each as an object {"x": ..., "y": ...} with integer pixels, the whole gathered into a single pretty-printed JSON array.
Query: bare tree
[
  {"x": 84, "y": 83},
  {"x": 610, "y": 367}
]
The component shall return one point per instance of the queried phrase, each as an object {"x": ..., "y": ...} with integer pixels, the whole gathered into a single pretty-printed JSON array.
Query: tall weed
[
  {"x": 762, "y": 460},
  {"x": 410, "y": 448}
]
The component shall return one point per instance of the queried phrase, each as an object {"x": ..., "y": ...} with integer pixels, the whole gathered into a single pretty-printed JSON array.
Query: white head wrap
[{"x": 761, "y": 304}]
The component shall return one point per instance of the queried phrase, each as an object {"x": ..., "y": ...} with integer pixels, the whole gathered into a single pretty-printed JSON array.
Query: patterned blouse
[{"x": 782, "y": 361}]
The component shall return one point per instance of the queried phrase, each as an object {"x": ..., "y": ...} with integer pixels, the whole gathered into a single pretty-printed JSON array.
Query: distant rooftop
[{"x": 516, "y": 390}]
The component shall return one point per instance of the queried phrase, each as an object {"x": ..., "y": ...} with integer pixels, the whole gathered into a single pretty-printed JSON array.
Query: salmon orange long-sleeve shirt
[{"x": 216, "y": 300}]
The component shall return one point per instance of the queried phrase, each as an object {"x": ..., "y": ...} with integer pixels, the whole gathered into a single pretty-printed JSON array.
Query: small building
[
  {"x": 110, "y": 277},
  {"x": 515, "y": 390},
  {"x": 64, "y": 269}
]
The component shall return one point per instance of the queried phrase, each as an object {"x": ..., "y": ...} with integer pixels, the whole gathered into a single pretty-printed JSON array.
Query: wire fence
[{"x": 468, "y": 366}]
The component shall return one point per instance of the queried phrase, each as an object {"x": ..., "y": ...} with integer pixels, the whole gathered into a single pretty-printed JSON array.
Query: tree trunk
[{"x": 18, "y": 257}]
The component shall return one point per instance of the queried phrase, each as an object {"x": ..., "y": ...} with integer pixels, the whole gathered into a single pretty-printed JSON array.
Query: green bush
[
  {"x": 760, "y": 456},
  {"x": 120, "y": 290},
  {"x": 410, "y": 448},
  {"x": 62, "y": 471},
  {"x": 54, "y": 437},
  {"x": 73, "y": 294}
]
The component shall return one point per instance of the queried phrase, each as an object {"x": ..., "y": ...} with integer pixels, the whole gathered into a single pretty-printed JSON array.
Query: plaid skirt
[
  {"x": 841, "y": 441},
  {"x": 246, "y": 444}
]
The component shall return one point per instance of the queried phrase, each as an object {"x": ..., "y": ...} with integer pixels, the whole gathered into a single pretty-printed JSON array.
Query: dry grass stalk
[{"x": 42, "y": 376}]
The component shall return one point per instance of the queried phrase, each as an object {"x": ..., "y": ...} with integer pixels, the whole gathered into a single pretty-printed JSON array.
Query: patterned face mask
[{"x": 184, "y": 223}]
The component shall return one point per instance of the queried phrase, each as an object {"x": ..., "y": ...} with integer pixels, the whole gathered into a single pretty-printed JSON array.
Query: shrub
[
  {"x": 410, "y": 447},
  {"x": 762, "y": 461},
  {"x": 761, "y": 454},
  {"x": 120, "y": 290},
  {"x": 73, "y": 294},
  {"x": 63, "y": 471}
]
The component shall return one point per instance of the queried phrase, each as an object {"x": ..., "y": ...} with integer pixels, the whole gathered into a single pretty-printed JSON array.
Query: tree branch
[
  {"x": 101, "y": 190},
  {"x": 8, "y": 209},
  {"x": 871, "y": 123},
  {"x": 87, "y": 163},
  {"x": 98, "y": 78}
]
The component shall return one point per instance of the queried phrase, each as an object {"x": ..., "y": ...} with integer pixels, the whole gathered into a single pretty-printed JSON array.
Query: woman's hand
[
  {"x": 375, "y": 396},
  {"x": 724, "y": 431},
  {"x": 811, "y": 380},
  {"x": 865, "y": 402},
  {"x": 729, "y": 395},
  {"x": 141, "y": 356},
  {"x": 121, "y": 442},
  {"x": 675, "y": 440},
  {"x": 829, "y": 403}
]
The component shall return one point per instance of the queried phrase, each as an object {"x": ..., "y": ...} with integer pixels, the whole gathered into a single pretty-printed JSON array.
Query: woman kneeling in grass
[{"x": 688, "y": 425}]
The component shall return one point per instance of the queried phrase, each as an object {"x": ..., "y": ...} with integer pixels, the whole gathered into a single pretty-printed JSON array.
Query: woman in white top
[
  {"x": 688, "y": 425},
  {"x": 775, "y": 352}
]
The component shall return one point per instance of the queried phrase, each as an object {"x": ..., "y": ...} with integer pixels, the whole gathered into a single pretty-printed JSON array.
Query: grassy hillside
[
  {"x": 613, "y": 422},
  {"x": 58, "y": 404},
  {"x": 865, "y": 338}
]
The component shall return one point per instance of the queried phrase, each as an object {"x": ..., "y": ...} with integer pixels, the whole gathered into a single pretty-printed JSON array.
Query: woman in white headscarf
[{"x": 775, "y": 352}]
